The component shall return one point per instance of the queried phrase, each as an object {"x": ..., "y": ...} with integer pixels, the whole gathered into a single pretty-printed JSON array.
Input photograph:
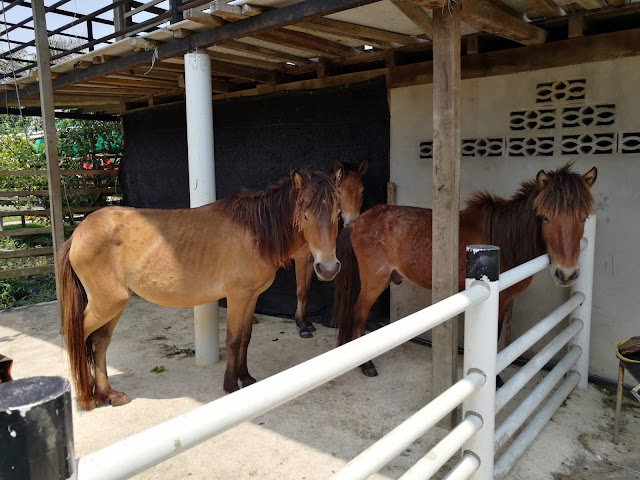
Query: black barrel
[{"x": 36, "y": 430}]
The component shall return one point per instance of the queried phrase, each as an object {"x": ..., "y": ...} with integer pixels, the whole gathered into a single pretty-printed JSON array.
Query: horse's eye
[
  {"x": 306, "y": 217},
  {"x": 546, "y": 219},
  {"x": 584, "y": 219}
]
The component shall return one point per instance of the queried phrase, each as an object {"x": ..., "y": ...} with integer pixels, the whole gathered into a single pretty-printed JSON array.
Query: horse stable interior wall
[
  {"x": 257, "y": 141},
  {"x": 512, "y": 127}
]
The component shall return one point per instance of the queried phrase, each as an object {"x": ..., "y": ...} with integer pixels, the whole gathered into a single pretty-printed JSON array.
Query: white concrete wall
[{"x": 486, "y": 107}]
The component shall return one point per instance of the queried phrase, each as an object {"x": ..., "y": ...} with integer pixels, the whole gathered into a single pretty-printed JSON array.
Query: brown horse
[
  {"x": 388, "y": 243},
  {"x": 350, "y": 191},
  {"x": 185, "y": 257}
]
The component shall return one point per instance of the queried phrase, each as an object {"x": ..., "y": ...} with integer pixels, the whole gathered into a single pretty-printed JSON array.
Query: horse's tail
[
  {"x": 74, "y": 303},
  {"x": 346, "y": 288}
]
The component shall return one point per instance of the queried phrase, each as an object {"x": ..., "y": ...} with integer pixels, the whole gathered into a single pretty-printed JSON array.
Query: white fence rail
[{"x": 476, "y": 435}]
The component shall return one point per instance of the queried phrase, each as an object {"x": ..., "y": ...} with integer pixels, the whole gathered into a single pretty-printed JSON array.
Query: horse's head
[
  {"x": 316, "y": 216},
  {"x": 350, "y": 189},
  {"x": 563, "y": 203}
]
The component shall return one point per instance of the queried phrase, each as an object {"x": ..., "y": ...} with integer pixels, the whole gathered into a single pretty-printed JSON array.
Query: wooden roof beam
[
  {"x": 590, "y": 4},
  {"x": 218, "y": 86},
  {"x": 202, "y": 18},
  {"x": 417, "y": 14},
  {"x": 240, "y": 60},
  {"x": 352, "y": 30},
  {"x": 265, "y": 53},
  {"x": 487, "y": 16},
  {"x": 310, "y": 43},
  {"x": 309, "y": 28},
  {"x": 241, "y": 71},
  {"x": 548, "y": 8}
]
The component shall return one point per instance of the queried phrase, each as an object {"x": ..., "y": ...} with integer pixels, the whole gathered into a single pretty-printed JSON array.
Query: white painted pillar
[
  {"x": 584, "y": 285},
  {"x": 480, "y": 350},
  {"x": 202, "y": 183}
]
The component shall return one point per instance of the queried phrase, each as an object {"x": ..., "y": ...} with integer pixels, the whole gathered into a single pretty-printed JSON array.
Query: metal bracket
[{"x": 635, "y": 392}]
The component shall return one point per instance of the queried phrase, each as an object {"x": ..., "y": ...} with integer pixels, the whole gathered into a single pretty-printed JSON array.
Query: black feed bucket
[{"x": 628, "y": 352}]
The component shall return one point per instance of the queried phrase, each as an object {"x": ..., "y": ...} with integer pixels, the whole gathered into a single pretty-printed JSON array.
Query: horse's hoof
[
  {"x": 248, "y": 381},
  {"x": 309, "y": 326},
  {"x": 119, "y": 399},
  {"x": 304, "y": 333},
  {"x": 369, "y": 369},
  {"x": 231, "y": 388}
]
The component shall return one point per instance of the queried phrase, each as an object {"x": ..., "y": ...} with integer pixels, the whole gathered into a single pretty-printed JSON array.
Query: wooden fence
[{"x": 13, "y": 206}]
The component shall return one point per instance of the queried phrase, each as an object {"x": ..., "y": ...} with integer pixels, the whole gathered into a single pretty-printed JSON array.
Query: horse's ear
[
  {"x": 338, "y": 174},
  {"x": 542, "y": 179},
  {"x": 363, "y": 167},
  {"x": 590, "y": 176},
  {"x": 335, "y": 166},
  {"x": 297, "y": 180}
]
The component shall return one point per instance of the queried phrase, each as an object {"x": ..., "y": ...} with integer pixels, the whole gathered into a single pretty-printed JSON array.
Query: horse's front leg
[
  {"x": 243, "y": 370},
  {"x": 237, "y": 341},
  {"x": 304, "y": 275}
]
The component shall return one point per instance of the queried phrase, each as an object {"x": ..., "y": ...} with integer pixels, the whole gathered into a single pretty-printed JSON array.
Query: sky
[{"x": 54, "y": 21}]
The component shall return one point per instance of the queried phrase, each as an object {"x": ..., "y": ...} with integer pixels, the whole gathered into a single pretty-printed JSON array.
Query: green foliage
[
  {"x": 16, "y": 292},
  {"x": 81, "y": 145}
]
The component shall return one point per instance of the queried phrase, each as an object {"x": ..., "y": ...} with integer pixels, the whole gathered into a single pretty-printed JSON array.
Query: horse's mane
[
  {"x": 514, "y": 224},
  {"x": 275, "y": 215}
]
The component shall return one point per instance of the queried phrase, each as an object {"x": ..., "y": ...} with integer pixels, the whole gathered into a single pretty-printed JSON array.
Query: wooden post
[
  {"x": 50, "y": 137},
  {"x": 446, "y": 192},
  {"x": 119, "y": 21}
]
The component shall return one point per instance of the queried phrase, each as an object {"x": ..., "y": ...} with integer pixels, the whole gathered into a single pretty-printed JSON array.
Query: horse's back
[
  {"x": 170, "y": 257},
  {"x": 394, "y": 237}
]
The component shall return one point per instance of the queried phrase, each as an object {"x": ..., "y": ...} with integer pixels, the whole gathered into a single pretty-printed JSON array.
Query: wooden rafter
[
  {"x": 486, "y": 16},
  {"x": 202, "y": 18},
  {"x": 265, "y": 53},
  {"x": 548, "y": 8},
  {"x": 240, "y": 60},
  {"x": 352, "y": 30},
  {"x": 417, "y": 14},
  {"x": 590, "y": 4},
  {"x": 309, "y": 43}
]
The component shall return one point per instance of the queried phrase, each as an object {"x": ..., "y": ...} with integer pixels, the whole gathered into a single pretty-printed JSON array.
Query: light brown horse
[
  {"x": 350, "y": 191},
  {"x": 185, "y": 257},
  {"x": 388, "y": 243}
]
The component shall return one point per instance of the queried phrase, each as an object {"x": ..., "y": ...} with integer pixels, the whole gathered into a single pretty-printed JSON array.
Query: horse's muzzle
[
  {"x": 564, "y": 277},
  {"x": 326, "y": 271}
]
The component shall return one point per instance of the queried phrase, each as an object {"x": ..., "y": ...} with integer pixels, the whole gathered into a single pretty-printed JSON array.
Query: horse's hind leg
[
  {"x": 101, "y": 339},
  {"x": 243, "y": 369},
  {"x": 304, "y": 275},
  {"x": 369, "y": 293},
  {"x": 100, "y": 318}
]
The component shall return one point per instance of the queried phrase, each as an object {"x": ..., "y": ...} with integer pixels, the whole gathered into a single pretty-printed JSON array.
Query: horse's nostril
[
  {"x": 574, "y": 275},
  {"x": 559, "y": 274}
]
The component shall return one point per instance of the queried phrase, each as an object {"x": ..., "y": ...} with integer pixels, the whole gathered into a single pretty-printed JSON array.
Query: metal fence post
[
  {"x": 584, "y": 284},
  {"x": 37, "y": 432},
  {"x": 480, "y": 350}
]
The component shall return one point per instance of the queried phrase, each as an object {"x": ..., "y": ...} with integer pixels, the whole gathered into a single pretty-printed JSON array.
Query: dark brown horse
[
  {"x": 388, "y": 243},
  {"x": 185, "y": 257},
  {"x": 350, "y": 191}
]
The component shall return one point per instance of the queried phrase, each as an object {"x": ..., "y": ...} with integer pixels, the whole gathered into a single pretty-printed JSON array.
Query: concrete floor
[{"x": 312, "y": 436}]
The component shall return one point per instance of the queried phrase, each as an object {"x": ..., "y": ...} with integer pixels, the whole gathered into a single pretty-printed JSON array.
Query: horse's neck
[{"x": 514, "y": 227}]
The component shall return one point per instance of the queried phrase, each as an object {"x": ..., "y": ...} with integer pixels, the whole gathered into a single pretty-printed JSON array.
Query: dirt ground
[{"x": 151, "y": 359}]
